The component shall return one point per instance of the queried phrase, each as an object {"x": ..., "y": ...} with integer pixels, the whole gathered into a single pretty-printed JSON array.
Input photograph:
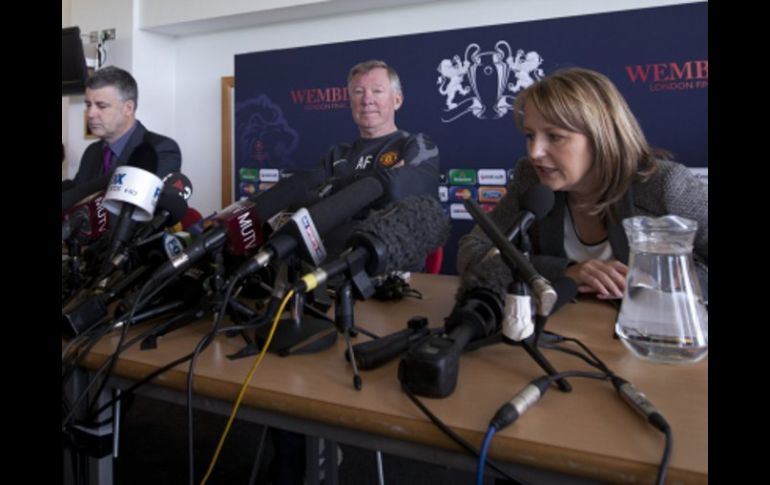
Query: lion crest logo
[{"x": 483, "y": 83}]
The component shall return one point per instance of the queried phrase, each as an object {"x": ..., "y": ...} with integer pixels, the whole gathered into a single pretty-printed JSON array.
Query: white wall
[
  {"x": 179, "y": 78},
  {"x": 97, "y": 15},
  {"x": 65, "y": 102}
]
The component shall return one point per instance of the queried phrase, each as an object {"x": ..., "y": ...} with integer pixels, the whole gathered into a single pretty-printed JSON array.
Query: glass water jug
[{"x": 663, "y": 317}]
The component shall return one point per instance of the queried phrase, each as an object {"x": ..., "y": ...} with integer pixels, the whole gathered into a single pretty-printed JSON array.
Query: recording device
[
  {"x": 380, "y": 351},
  {"x": 519, "y": 325},
  {"x": 397, "y": 237},
  {"x": 432, "y": 367}
]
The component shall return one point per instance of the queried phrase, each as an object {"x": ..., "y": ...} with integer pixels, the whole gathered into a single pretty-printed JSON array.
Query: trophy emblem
[{"x": 482, "y": 80}]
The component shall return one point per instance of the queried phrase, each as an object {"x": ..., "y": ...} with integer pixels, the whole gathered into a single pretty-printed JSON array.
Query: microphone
[
  {"x": 83, "y": 312},
  {"x": 132, "y": 195},
  {"x": 483, "y": 308},
  {"x": 306, "y": 226},
  {"x": 536, "y": 203},
  {"x": 80, "y": 191},
  {"x": 67, "y": 185},
  {"x": 190, "y": 218},
  {"x": 541, "y": 287},
  {"x": 88, "y": 219},
  {"x": 98, "y": 184},
  {"x": 179, "y": 182},
  {"x": 241, "y": 224},
  {"x": 432, "y": 366},
  {"x": 171, "y": 207},
  {"x": 398, "y": 237}
]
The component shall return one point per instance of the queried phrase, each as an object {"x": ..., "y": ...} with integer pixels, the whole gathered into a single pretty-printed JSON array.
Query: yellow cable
[{"x": 246, "y": 385}]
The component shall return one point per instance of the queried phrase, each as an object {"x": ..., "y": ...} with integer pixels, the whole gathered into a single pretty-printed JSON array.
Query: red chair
[
  {"x": 190, "y": 217},
  {"x": 433, "y": 261}
]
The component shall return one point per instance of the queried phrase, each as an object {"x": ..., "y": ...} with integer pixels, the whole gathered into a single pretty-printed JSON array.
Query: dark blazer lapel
[
  {"x": 551, "y": 228},
  {"x": 137, "y": 137},
  {"x": 615, "y": 232}
]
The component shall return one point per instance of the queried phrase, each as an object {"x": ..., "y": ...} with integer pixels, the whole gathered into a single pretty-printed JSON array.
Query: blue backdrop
[{"x": 291, "y": 105}]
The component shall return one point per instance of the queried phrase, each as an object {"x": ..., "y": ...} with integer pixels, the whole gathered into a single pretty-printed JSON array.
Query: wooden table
[{"x": 589, "y": 432}]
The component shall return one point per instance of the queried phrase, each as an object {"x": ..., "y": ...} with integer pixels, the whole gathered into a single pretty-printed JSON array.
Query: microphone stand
[
  {"x": 73, "y": 278},
  {"x": 529, "y": 344},
  {"x": 343, "y": 320},
  {"x": 514, "y": 259},
  {"x": 213, "y": 302},
  {"x": 356, "y": 284},
  {"x": 299, "y": 333}
]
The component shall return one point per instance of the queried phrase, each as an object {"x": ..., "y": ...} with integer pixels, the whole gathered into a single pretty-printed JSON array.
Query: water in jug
[{"x": 663, "y": 317}]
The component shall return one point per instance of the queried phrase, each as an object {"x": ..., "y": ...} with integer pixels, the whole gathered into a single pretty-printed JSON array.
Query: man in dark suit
[{"x": 111, "y": 102}]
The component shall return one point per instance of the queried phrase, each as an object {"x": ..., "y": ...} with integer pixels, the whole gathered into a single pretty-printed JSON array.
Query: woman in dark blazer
[{"x": 584, "y": 143}]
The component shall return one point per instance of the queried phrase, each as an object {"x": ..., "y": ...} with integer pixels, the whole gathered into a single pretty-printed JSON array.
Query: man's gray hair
[
  {"x": 122, "y": 80},
  {"x": 366, "y": 66}
]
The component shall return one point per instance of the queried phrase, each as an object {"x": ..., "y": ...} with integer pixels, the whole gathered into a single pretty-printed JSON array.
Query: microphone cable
[
  {"x": 202, "y": 344},
  {"x": 446, "y": 429},
  {"x": 633, "y": 397},
  {"x": 533, "y": 391},
  {"x": 109, "y": 363},
  {"x": 144, "y": 380},
  {"x": 245, "y": 385},
  {"x": 509, "y": 412}
]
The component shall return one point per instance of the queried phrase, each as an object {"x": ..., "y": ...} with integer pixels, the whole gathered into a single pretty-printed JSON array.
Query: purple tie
[{"x": 107, "y": 159}]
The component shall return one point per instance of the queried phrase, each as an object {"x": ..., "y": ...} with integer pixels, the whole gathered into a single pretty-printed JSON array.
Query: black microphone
[
  {"x": 67, "y": 185},
  {"x": 179, "y": 182},
  {"x": 432, "y": 366},
  {"x": 143, "y": 157},
  {"x": 172, "y": 205},
  {"x": 170, "y": 209},
  {"x": 240, "y": 224},
  {"x": 536, "y": 203},
  {"x": 87, "y": 220},
  {"x": 81, "y": 191},
  {"x": 541, "y": 287},
  {"x": 397, "y": 237},
  {"x": 98, "y": 184},
  {"x": 306, "y": 227}
]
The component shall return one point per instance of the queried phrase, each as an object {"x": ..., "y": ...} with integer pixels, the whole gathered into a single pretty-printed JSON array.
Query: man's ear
[
  {"x": 130, "y": 106},
  {"x": 399, "y": 100}
]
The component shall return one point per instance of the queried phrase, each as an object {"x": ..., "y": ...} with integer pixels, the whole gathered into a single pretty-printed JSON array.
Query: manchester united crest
[{"x": 388, "y": 159}]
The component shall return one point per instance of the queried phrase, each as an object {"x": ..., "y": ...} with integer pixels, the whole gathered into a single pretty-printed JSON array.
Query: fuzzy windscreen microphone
[
  {"x": 408, "y": 230},
  {"x": 398, "y": 237},
  {"x": 490, "y": 273}
]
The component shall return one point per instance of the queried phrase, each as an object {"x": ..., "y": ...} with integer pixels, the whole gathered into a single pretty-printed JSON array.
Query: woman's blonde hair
[{"x": 587, "y": 102}]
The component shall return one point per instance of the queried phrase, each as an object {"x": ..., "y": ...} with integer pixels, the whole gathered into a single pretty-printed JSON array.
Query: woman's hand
[{"x": 605, "y": 278}]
